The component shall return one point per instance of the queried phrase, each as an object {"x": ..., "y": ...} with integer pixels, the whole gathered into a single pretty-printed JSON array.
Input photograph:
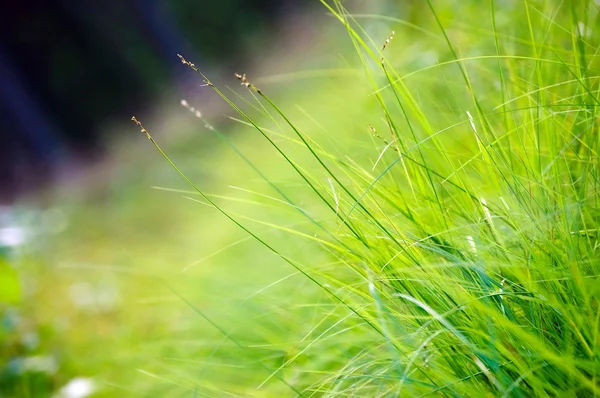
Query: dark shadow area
[{"x": 67, "y": 68}]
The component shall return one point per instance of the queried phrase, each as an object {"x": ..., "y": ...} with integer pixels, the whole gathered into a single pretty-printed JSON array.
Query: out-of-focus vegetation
[
  {"x": 425, "y": 223},
  {"x": 69, "y": 69}
]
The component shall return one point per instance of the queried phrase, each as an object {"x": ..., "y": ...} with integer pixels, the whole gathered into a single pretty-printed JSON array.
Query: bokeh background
[
  {"x": 71, "y": 76},
  {"x": 68, "y": 69},
  {"x": 86, "y": 240},
  {"x": 107, "y": 269}
]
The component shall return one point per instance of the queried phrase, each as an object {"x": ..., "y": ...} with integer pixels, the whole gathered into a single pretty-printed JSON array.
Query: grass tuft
[
  {"x": 419, "y": 219},
  {"x": 463, "y": 248}
]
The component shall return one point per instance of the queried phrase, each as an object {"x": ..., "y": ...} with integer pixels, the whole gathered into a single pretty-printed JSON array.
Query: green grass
[{"x": 425, "y": 225}]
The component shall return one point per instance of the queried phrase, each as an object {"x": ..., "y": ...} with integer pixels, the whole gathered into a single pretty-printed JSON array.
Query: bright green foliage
[{"x": 433, "y": 211}]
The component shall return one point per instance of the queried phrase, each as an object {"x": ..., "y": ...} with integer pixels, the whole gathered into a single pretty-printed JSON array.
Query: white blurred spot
[
  {"x": 12, "y": 236},
  {"x": 79, "y": 387},
  {"x": 472, "y": 244}
]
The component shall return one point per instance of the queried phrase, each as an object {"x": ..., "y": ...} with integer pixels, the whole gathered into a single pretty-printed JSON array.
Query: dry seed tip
[
  {"x": 139, "y": 124},
  {"x": 244, "y": 82},
  {"x": 375, "y": 133},
  {"x": 387, "y": 41},
  {"x": 243, "y": 79},
  {"x": 185, "y": 61}
]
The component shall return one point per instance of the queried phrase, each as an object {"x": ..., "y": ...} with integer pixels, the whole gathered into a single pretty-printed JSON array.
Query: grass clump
[
  {"x": 459, "y": 211},
  {"x": 421, "y": 219}
]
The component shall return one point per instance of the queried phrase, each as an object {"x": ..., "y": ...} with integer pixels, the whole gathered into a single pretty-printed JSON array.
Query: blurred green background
[
  {"x": 101, "y": 268},
  {"x": 90, "y": 250}
]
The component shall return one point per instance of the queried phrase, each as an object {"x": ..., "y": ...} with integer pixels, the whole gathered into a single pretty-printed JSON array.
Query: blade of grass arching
[
  {"x": 286, "y": 198},
  {"x": 292, "y": 231},
  {"x": 581, "y": 81},
  {"x": 232, "y": 339},
  {"x": 413, "y": 357},
  {"x": 503, "y": 85},
  {"x": 163, "y": 379},
  {"x": 509, "y": 170},
  {"x": 319, "y": 149},
  {"x": 325, "y": 134},
  {"x": 445, "y": 179},
  {"x": 302, "y": 351},
  {"x": 585, "y": 67},
  {"x": 416, "y": 108},
  {"x": 507, "y": 38},
  {"x": 356, "y": 38},
  {"x": 431, "y": 134},
  {"x": 486, "y": 123},
  {"x": 384, "y": 314},
  {"x": 348, "y": 170},
  {"x": 262, "y": 195},
  {"x": 330, "y": 173},
  {"x": 279, "y": 150},
  {"x": 462, "y": 337},
  {"x": 411, "y": 101},
  {"x": 461, "y": 68},
  {"x": 256, "y": 237},
  {"x": 581, "y": 187},
  {"x": 396, "y": 20},
  {"x": 441, "y": 218},
  {"x": 507, "y": 167},
  {"x": 567, "y": 364},
  {"x": 288, "y": 230},
  {"x": 359, "y": 44},
  {"x": 474, "y": 58},
  {"x": 546, "y": 87},
  {"x": 574, "y": 32},
  {"x": 214, "y": 196},
  {"x": 577, "y": 144},
  {"x": 259, "y": 108},
  {"x": 352, "y": 172},
  {"x": 538, "y": 74}
]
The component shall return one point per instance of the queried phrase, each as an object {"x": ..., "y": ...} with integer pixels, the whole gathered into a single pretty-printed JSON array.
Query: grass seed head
[
  {"x": 185, "y": 61},
  {"x": 385, "y": 44},
  {"x": 244, "y": 82},
  {"x": 139, "y": 124}
]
